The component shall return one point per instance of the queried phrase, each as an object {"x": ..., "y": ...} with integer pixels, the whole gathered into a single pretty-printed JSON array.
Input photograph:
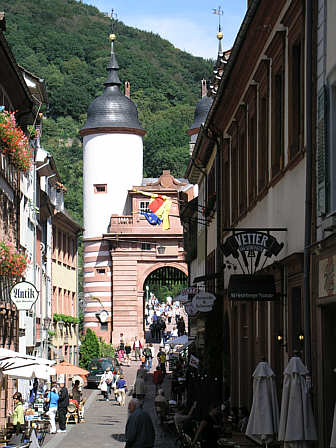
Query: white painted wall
[{"x": 115, "y": 160}]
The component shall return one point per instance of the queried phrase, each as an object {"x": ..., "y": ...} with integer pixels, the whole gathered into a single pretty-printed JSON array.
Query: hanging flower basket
[
  {"x": 12, "y": 262},
  {"x": 14, "y": 143}
]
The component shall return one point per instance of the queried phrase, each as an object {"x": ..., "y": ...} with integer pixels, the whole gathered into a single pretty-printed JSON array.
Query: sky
[{"x": 189, "y": 25}]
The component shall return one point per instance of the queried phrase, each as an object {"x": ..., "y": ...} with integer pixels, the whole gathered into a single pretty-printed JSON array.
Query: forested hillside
[{"x": 66, "y": 43}]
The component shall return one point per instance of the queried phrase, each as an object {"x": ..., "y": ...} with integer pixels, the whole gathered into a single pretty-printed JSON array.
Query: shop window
[{"x": 100, "y": 188}]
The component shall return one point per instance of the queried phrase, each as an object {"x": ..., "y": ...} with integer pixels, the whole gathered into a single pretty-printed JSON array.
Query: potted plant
[
  {"x": 12, "y": 262},
  {"x": 14, "y": 143}
]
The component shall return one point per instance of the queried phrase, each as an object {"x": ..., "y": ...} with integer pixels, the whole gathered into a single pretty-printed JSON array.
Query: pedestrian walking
[
  {"x": 120, "y": 391},
  {"x": 121, "y": 350},
  {"x": 128, "y": 350},
  {"x": 103, "y": 385},
  {"x": 157, "y": 378},
  {"x": 162, "y": 358},
  {"x": 147, "y": 352},
  {"x": 63, "y": 403},
  {"x": 52, "y": 400},
  {"x": 137, "y": 347},
  {"x": 139, "y": 431}
]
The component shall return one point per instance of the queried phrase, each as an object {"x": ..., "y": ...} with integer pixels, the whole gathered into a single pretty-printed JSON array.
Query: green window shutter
[{"x": 322, "y": 152}]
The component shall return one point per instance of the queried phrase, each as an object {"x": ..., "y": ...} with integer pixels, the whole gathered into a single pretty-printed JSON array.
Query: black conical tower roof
[{"x": 112, "y": 109}]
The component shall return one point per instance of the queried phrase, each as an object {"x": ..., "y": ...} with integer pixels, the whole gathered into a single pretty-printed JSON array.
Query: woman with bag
[
  {"x": 103, "y": 385},
  {"x": 52, "y": 402}
]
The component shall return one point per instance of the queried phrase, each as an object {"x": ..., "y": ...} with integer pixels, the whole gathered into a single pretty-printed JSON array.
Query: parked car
[{"x": 97, "y": 367}]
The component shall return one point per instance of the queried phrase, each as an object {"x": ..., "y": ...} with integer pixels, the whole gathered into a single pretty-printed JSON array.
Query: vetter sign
[{"x": 24, "y": 295}]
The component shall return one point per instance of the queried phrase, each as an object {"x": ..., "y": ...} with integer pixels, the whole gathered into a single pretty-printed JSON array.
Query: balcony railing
[{"x": 122, "y": 220}]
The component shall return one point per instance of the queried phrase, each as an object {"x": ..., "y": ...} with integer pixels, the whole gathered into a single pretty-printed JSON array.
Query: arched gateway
[{"x": 130, "y": 255}]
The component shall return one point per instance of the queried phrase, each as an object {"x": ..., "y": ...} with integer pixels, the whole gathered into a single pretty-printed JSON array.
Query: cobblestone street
[{"x": 105, "y": 421}]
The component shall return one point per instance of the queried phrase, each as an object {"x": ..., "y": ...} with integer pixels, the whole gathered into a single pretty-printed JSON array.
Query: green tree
[
  {"x": 89, "y": 348},
  {"x": 106, "y": 350}
]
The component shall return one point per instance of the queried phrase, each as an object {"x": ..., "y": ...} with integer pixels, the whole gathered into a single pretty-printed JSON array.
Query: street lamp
[{"x": 46, "y": 323}]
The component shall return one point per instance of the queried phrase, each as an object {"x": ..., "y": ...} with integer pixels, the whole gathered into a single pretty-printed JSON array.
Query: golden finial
[
  {"x": 219, "y": 35},
  {"x": 112, "y": 37}
]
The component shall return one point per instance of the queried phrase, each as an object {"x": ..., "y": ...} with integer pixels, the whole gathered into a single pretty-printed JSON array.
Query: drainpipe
[
  {"x": 308, "y": 201},
  {"x": 111, "y": 331}
]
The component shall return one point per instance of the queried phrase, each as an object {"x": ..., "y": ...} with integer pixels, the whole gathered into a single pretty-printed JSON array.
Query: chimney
[
  {"x": 127, "y": 89},
  {"x": 204, "y": 88}
]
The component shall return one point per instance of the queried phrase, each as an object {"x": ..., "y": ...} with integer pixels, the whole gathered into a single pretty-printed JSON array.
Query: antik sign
[{"x": 24, "y": 295}]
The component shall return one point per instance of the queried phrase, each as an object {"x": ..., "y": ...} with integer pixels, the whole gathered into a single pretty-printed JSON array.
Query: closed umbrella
[
  {"x": 297, "y": 425},
  {"x": 264, "y": 417}
]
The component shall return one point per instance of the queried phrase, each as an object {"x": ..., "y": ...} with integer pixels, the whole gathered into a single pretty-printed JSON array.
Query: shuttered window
[{"x": 322, "y": 152}]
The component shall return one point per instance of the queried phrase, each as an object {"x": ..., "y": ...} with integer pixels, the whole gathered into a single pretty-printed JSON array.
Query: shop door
[{"x": 329, "y": 365}]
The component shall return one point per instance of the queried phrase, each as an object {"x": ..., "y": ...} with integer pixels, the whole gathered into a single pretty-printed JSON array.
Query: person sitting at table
[
  {"x": 72, "y": 400},
  {"x": 182, "y": 418},
  {"x": 18, "y": 413},
  {"x": 207, "y": 431},
  {"x": 52, "y": 399},
  {"x": 161, "y": 405}
]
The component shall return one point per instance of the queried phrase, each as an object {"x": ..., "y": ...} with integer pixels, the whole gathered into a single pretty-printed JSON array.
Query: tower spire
[
  {"x": 113, "y": 67},
  {"x": 219, "y": 12}
]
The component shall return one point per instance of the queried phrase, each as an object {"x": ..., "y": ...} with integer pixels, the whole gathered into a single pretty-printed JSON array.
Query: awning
[
  {"x": 178, "y": 341},
  {"x": 185, "y": 346},
  {"x": 19, "y": 365}
]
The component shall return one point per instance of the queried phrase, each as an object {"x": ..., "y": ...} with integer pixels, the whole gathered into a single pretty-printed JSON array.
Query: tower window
[
  {"x": 100, "y": 271},
  {"x": 100, "y": 188},
  {"x": 146, "y": 246}
]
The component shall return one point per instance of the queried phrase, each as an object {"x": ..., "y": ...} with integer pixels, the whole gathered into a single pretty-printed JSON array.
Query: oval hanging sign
[
  {"x": 203, "y": 301},
  {"x": 190, "y": 309},
  {"x": 23, "y": 295}
]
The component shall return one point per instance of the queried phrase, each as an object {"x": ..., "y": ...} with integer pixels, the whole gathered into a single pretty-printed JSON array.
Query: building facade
[
  {"x": 324, "y": 250},
  {"x": 64, "y": 305},
  {"x": 249, "y": 161}
]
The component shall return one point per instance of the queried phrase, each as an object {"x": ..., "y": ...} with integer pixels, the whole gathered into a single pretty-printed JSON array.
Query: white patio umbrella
[
  {"x": 333, "y": 432},
  {"x": 297, "y": 425},
  {"x": 263, "y": 422}
]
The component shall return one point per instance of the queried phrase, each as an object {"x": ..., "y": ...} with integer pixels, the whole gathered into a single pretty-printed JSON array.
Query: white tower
[{"x": 112, "y": 153}]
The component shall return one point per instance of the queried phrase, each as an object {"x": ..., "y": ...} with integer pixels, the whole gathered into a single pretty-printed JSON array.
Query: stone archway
[{"x": 142, "y": 279}]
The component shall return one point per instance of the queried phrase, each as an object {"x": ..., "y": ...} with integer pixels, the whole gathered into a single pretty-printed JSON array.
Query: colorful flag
[{"x": 159, "y": 207}]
